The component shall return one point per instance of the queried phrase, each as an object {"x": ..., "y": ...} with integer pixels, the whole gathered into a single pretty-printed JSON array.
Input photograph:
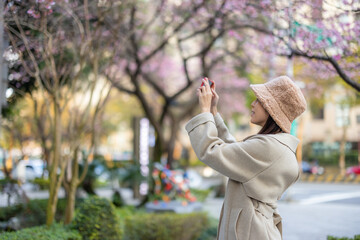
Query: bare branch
[
  {"x": 176, "y": 29},
  {"x": 334, "y": 63}
]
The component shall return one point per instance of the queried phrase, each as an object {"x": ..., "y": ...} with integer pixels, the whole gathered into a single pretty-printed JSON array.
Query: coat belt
[{"x": 269, "y": 212}]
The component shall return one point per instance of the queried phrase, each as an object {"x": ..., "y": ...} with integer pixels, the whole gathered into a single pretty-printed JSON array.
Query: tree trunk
[
  {"x": 54, "y": 185},
  {"x": 74, "y": 182},
  {"x": 70, "y": 202},
  {"x": 171, "y": 143}
]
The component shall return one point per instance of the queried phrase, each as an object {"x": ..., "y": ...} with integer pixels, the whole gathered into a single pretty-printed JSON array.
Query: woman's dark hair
[{"x": 270, "y": 127}]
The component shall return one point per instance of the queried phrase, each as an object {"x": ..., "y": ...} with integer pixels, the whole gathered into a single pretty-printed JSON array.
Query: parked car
[
  {"x": 354, "y": 170},
  {"x": 312, "y": 168},
  {"x": 26, "y": 170}
]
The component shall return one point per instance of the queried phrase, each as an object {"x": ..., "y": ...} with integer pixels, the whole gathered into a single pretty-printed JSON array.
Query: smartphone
[{"x": 211, "y": 83}]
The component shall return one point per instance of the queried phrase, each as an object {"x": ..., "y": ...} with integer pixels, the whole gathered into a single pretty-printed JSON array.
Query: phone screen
[{"x": 210, "y": 83}]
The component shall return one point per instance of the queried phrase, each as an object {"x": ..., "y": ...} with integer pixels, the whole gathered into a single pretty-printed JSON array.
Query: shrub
[
  {"x": 96, "y": 219},
  {"x": 356, "y": 237},
  {"x": 156, "y": 226},
  {"x": 8, "y": 212},
  {"x": 43, "y": 183},
  {"x": 34, "y": 212},
  {"x": 55, "y": 232},
  {"x": 124, "y": 212},
  {"x": 200, "y": 194},
  {"x": 210, "y": 233},
  {"x": 117, "y": 199}
]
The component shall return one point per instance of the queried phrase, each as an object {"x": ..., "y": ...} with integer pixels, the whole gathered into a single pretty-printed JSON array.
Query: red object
[
  {"x": 353, "y": 170},
  {"x": 211, "y": 83},
  {"x": 168, "y": 187}
]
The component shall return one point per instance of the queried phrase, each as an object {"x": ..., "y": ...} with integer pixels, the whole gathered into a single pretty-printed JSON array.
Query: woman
[{"x": 261, "y": 167}]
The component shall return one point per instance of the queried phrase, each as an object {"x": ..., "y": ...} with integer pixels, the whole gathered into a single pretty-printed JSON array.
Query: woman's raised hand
[
  {"x": 214, "y": 101},
  {"x": 205, "y": 96}
]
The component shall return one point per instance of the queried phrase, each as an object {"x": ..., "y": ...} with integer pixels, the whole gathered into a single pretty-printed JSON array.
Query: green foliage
[
  {"x": 249, "y": 94},
  {"x": 328, "y": 155},
  {"x": 196, "y": 163},
  {"x": 131, "y": 176},
  {"x": 96, "y": 219},
  {"x": 8, "y": 212},
  {"x": 210, "y": 233},
  {"x": 5, "y": 181},
  {"x": 125, "y": 212},
  {"x": 200, "y": 194},
  {"x": 332, "y": 158},
  {"x": 42, "y": 183},
  {"x": 165, "y": 226},
  {"x": 34, "y": 212},
  {"x": 316, "y": 105},
  {"x": 117, "y": 199},
  {"x": 356, "y": 237},
  {"x": 55, "y": 232}
]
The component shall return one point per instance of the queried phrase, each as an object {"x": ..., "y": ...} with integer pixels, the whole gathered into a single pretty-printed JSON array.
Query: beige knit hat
[{"x": 282, "y": 99}]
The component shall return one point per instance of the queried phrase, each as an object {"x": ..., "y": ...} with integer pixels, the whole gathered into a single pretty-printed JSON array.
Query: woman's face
[{"x": 259, "y": 115}]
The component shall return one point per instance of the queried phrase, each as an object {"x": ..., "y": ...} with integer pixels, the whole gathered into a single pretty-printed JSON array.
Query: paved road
[{"x": 312, "y": 193}]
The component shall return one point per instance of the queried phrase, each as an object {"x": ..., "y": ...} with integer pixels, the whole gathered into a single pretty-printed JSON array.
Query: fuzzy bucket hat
[{"x": 282, "y": 99}]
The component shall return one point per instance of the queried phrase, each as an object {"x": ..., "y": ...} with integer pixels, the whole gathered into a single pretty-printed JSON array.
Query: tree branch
[{"x": 334, "y": 63}]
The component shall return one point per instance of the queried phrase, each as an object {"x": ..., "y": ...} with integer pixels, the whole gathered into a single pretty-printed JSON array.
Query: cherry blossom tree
[
  {"x": 59, "y": 54},
  {"x": 158, "y": 51},
  {"x": 169, "y": 47},
  {"x": 322, "y": 30}
]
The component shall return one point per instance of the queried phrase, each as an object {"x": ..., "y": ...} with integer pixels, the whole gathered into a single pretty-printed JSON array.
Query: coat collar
[{"x": 284, "y": 138}]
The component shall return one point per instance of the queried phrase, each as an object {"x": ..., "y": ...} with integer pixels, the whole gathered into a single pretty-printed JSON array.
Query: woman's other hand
[
  {"x": 205, "y": 96},
  {"x": 214, "y": 101}
]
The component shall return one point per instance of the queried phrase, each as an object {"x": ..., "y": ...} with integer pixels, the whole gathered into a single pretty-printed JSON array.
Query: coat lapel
[{"x": 284, "y": 138}]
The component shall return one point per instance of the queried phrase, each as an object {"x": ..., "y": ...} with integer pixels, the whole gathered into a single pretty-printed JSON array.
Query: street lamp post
[
  {"x": 3, "y": 67},
  {"x": 3, "y": 86}
]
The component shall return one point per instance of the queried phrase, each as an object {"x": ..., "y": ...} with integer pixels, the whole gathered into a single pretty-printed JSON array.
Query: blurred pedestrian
[{"x": 261, "y": 167}]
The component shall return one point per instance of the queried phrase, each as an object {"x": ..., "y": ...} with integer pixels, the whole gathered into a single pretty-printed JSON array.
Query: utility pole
[
  {"x": 3, "y": 71},
  {"x": 3, "y": 65}
]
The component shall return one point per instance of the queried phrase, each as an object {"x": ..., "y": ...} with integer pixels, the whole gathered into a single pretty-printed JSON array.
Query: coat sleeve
[
  {"x": 240, "y": 161},
  {"x": 223, "y": 131}
]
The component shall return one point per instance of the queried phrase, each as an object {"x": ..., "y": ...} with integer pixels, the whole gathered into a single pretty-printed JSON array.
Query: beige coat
[{"x": 260, "y": 169}]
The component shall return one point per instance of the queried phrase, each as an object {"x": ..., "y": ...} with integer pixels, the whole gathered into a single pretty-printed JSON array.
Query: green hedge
[
  {"x": 200, "y": 194},
  {"x": 8, "y": 212},
  {"x": 332, "y": 159},
  {"x": 34, "y": 212},
  {"x": 55, "y": 232},
  {"x": 356, "y": 237},
  {"x": 210, "y": 233},
  {"x": 43, "y": 183},
  {"x": 165, "y": 226},
  {"x": 96, "y": 219},
  {"x": 125, "y": 212}
]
